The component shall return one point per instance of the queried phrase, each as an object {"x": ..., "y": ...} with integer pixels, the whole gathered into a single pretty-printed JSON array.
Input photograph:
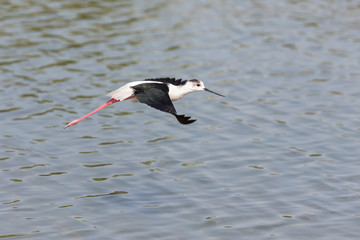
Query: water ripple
[
  {"x": 30, "y": 116},
  {"x": 10, "y": 109},
  {"x": 103, "y": 195}
]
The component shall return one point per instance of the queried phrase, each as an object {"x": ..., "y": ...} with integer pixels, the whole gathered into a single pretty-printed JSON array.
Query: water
[{"x": 277, "y": 158}]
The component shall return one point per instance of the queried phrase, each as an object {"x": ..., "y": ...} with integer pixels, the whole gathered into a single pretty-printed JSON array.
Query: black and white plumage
[{"x": 158, "y": 93}]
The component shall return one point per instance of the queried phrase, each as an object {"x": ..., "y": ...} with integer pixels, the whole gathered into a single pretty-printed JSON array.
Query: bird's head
[{"x": 195, "y": 85}]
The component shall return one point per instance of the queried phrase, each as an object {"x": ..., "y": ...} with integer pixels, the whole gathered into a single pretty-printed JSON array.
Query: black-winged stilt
[{"x": 157, "y": 93}]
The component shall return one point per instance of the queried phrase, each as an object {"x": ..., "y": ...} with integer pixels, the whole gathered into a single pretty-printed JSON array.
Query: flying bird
[{"x": 157, "y": 93}]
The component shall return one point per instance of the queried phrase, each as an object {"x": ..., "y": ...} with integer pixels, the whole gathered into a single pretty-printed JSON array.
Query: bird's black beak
[{"x": 205, "y": 89}]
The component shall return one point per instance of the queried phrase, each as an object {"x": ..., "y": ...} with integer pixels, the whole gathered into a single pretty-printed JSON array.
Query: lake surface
[{"x": 278, "y": 157}]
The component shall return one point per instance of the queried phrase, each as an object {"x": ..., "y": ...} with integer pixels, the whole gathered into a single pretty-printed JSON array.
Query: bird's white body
[
  {"x": 175, "y": 92},
  {"x": 125, "y": 91}
]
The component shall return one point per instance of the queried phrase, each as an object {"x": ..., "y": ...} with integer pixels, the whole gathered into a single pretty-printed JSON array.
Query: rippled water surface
[{"x": 278, "y": 157}]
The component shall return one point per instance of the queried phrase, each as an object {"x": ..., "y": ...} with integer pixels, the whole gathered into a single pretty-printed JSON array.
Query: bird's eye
[{"x": 198, "y": 85}]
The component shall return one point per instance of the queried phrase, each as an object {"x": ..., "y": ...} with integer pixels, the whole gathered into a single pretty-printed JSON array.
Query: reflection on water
[
  {"x": 97, "y": 165},
  {"x": 102, "y": 195},
  {"x": 276, "y": 158},
  {"x": 161, "y": 139}
]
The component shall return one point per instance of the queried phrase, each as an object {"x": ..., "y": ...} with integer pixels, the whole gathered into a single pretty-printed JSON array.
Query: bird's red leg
[{"x": 111, "y": 101}]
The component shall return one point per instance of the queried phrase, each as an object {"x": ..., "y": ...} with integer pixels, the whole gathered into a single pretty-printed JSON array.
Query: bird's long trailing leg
[{"x": 111, "y": 101}]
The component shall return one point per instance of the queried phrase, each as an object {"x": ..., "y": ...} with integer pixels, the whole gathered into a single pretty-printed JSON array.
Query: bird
[{"x": 155, "y": 92}]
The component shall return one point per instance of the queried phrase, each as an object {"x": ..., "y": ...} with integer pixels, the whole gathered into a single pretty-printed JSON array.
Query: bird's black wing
[
  {"x": 156, "y": 95},
  {"x": 173, "y": 81}
]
